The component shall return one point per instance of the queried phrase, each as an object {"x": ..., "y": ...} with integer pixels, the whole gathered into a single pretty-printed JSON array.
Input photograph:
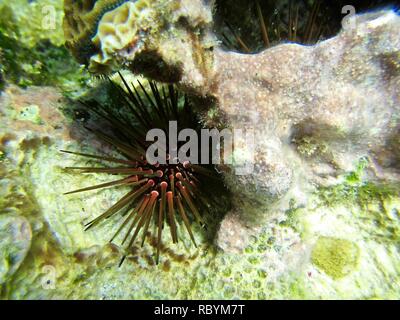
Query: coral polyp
[{"x": 173, "y": 192}]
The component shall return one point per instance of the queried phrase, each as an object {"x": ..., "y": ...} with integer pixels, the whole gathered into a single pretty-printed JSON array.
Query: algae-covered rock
[
  {"x": 150, "y": 37},
  {"x": 64, "y": 261},
  {"x": 15, "y": 241},
  {"x": 336, "y": 257},
  {"x": 36, "y": 20},
  {"x": 333, "y": 241},
  {"x": 32, "y": 48},
  {"x": 314, "y": 110}
]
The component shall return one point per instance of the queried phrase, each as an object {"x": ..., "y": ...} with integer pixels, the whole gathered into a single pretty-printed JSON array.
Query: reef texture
[
  {"x": 343, "y": 244},
  {"x": 158, "y": 35},
  {"x": 328, "y": 226},
  {"x": 315, "y": 110},
  {"x": 32, "y": 50}
]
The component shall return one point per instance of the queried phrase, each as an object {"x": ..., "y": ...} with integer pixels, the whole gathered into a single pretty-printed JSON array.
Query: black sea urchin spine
[
  {"x": 306, "y": 27},
  {"x": 160, "y": 192}
]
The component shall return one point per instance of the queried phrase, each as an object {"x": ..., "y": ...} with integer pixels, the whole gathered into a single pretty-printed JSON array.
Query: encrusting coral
[{"x": 107, "y": 35}]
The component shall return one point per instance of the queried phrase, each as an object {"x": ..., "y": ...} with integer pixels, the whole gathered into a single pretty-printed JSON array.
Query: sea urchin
[{"x": 171, "y": 192}]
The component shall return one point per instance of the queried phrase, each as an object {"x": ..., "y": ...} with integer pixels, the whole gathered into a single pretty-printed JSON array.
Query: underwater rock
[
  {"x": 233, "y": 233},
  {"x": 32, "y": 50},
  {"x": 315, "y": 110},
  {"x": 33, "y": 21},
  {"x": 32, "y": 127},
  {"x": 15, "y": 241},
  {"x": 280, "y": 262},
  {"x": 153, "y": 37},
  {"x": 318, "y": 110}
]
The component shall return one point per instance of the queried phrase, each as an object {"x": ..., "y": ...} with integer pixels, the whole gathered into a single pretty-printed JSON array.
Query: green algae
[
  {"x": 29, "y": 59},
  {"x": 36, "y": 20},
  {"x": 355, "y": 189},
  {"x": 30, "y": 113},
  {"x": 206, "y": 273},
  {"x": 336, "y": 257},
  {"x": 370, "y": 197},
  {"x": 374, "y": 201}
]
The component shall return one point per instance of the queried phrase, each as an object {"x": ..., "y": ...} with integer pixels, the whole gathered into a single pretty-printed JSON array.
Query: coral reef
[
  {"x": 326, "y": 184},
  {"x": 319, "y": 109},
  {"x": 60, "y": 260},
  {"x": 157, "y": 35}
]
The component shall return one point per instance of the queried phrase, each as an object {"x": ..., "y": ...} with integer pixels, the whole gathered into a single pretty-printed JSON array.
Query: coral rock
[
  {"x": 147, "y": 36},
  {"x": 316, "y": 109}
]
